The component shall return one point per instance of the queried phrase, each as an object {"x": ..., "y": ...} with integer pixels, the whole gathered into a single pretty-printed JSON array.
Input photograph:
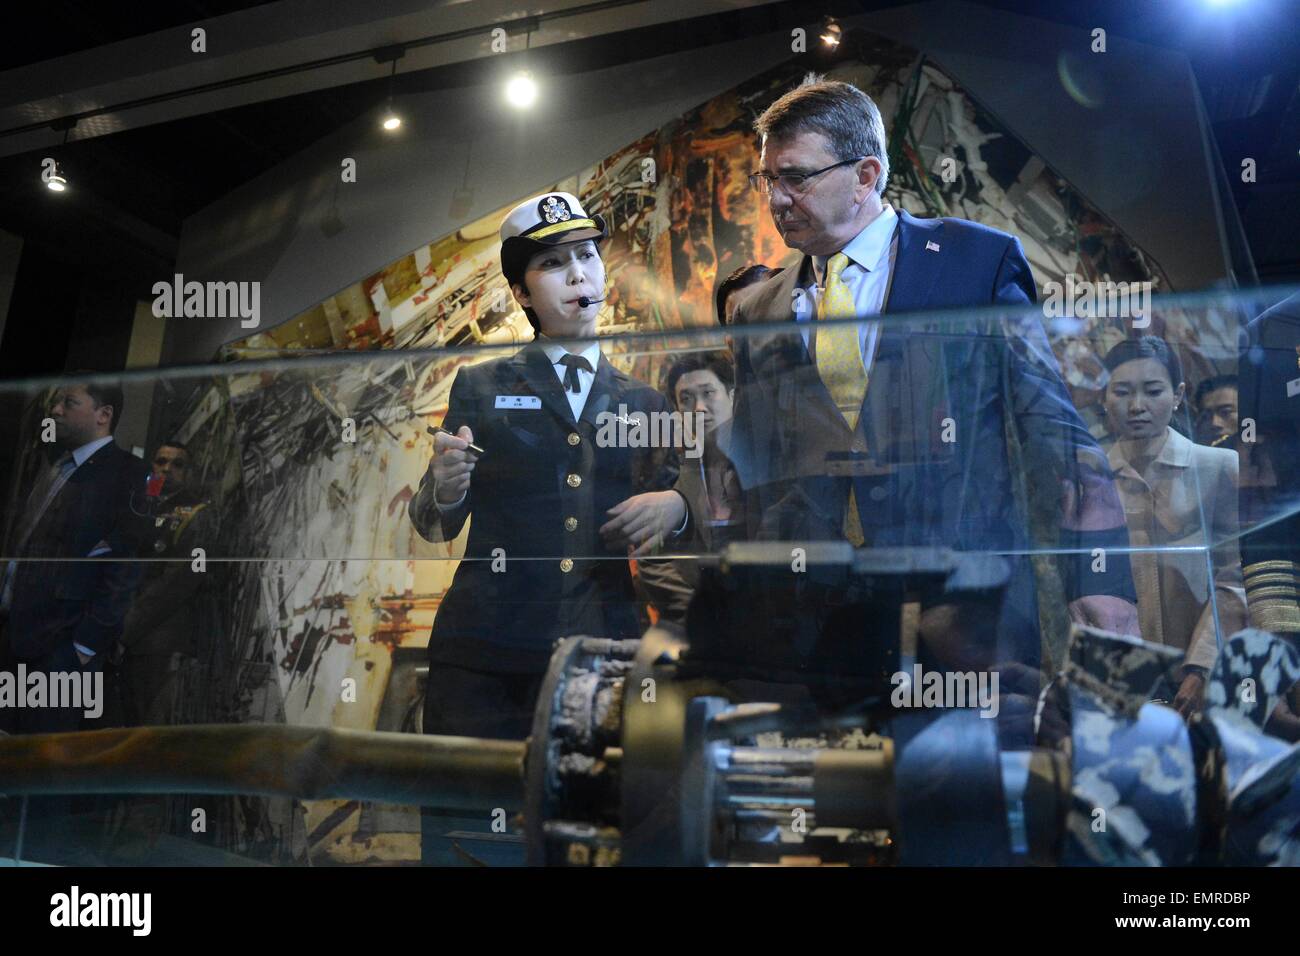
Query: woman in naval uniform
[{"x": 554, "y": 515}]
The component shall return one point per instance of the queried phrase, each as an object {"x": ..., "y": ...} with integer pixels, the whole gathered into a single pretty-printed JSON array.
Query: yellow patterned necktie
[
  {"x": 839, "y": 363},
  {"x": 839, "y": 357}
]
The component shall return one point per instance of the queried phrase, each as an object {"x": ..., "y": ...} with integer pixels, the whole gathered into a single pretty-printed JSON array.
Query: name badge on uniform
[
  {"x": 1293, "y": 388},
  {"x": 518, "y": 401}
]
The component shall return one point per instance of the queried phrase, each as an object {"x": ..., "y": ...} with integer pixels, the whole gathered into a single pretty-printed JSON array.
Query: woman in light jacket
[{"x": 1176, "y": 494}]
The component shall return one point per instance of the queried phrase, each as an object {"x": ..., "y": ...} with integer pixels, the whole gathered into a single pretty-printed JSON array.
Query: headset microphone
[{"x": 583, "y": 301}]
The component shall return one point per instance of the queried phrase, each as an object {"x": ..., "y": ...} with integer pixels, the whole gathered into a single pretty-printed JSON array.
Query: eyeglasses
[{"x": 793, "y": 182}]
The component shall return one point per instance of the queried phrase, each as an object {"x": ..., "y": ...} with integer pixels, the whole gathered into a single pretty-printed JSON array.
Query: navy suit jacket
[
  {"x": 83, "y": 602},
  {"x": 967, "y": 437}
]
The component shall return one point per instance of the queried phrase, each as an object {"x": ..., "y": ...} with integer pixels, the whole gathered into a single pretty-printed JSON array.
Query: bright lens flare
[{"x": 521, "y": 91}]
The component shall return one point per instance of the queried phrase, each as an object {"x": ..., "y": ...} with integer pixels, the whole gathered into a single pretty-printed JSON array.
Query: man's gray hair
[{"x": 841, "y": 112}]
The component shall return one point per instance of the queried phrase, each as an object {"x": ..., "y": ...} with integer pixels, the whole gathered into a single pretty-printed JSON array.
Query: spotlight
[
  {"x": 832, "y": 34},
  {"x": 56, "y": 181},
  {"x": 521, "y": 91},
  {"x": 390, "y": 54}
]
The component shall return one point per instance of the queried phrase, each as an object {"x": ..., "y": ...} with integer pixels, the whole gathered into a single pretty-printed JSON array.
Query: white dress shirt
[
  {"x": 578, "y": 399},
  {"x": 871, "y": 267},
  {"x": 85, "y": 451}
]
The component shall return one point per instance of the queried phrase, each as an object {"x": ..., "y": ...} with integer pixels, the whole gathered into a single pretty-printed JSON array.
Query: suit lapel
[
  {"x": 606, "y": 390},
  {"x": 916, "y": 267},
  {"x": 784, "y": 357},
  {"x": 777, "y": 304},
  {"x": 87, "y": 473},
  {"x": 89, "y": 469},
  {"x": 800, "y": 279},
  {"x": 68, "y": 498},
  {"x": 535, "y": 368}
]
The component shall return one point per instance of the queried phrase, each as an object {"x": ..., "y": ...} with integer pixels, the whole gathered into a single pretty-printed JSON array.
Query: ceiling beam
[{"x": 290, "y": 48}]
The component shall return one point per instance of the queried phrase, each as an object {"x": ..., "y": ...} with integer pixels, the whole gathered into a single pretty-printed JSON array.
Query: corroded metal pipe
[{"x": 309, "y": 763}]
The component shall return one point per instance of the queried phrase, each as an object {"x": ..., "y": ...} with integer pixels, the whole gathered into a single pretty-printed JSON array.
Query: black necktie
[{"x": 571, "y": 365}]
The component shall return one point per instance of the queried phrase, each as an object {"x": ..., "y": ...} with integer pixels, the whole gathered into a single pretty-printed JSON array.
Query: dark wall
[
  {"x": 61, "y": 317},
  {"x": 42, "y": 314}
]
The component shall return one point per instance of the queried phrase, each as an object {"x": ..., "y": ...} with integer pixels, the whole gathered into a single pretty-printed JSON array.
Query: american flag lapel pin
[{"x": 931, "y": 246}]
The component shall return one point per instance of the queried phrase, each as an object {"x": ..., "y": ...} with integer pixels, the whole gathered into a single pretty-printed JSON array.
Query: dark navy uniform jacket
[{"x": 539, "y": 493}]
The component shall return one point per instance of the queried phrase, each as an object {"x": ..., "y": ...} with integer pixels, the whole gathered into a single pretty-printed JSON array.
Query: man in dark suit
[
  {"x": 65, "y": 616},
  {"x": 62, "y": 618},
  {"x": 554, "y": 507},
  {"x": 953, "y": 434}
]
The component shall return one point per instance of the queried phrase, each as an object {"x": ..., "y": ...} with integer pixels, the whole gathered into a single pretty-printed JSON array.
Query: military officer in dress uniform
[
  {"x": 555, "y": 516},
  {"x": 166, "y": 635},
  {"x": 167, "y": 625}
]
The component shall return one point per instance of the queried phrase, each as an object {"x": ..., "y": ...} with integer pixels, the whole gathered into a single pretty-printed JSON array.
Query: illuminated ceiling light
[
  {"x": 390, "y": 120},
  {"x": 57, "y": 182},
  {"x": 53, "y": 174},
  {"x": 521, "y": 90},
  {"x": 832, "y": 34}
]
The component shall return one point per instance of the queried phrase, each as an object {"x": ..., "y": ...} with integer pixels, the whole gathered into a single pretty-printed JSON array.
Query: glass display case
[{"x": 1028, "y": 595}]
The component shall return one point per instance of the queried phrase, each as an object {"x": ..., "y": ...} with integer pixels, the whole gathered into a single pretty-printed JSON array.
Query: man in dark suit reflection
[
  {"x": 62, "y": 617},
  {"x": 65, "y": 616},
  {"x": 959, "y": 435}
]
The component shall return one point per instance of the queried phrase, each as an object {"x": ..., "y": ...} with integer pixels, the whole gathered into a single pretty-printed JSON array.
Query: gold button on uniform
[
  {"x": 566, "y": 565},
  {"x": 574, "y": 438},
  {"x": 570, "y": 524},
  {"x": 574, "y": 480}
]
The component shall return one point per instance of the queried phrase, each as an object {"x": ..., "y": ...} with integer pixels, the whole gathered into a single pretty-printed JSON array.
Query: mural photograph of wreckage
[{"x": 322, "y": 581}]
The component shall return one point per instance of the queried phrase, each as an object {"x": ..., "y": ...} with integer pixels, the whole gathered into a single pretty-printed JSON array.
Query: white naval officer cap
[{"x": 546, "y": 220}]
